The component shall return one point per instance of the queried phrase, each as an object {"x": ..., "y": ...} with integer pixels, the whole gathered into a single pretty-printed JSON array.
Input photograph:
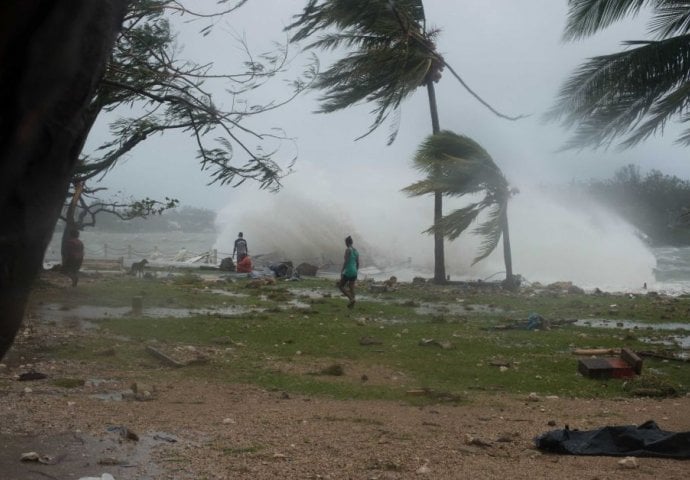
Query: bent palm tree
[
  {"x": 632, "y": 93},
  {"x": 393, "y": 54},
  {"x": 456, "y": 165}
]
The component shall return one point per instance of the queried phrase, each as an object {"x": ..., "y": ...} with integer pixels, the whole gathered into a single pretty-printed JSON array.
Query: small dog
[{"x": 138, "y": 268}]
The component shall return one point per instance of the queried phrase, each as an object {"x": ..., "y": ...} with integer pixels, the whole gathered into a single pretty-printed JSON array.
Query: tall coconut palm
[
  {"x": 456, "y": 165},
  {"x": 632, "y": 93},
  {"x": 392, "y": 53}
]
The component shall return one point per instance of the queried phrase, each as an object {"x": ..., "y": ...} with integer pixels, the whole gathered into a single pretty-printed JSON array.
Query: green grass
[{"x": 327, "y": 334}]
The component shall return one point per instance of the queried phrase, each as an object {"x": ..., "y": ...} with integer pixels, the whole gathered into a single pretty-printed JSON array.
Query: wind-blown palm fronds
[
  {"x": 457, "y": 165},
  {"x": 392, "y": 53},
  {"x": 633, "y": 93}
]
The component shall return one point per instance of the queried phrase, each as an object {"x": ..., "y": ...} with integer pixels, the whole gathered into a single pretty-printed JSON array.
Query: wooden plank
[{"x": 633, "y": 360}]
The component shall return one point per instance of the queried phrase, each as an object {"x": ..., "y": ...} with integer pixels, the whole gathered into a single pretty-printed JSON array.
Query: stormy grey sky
[{"x": 510, "y": 52}]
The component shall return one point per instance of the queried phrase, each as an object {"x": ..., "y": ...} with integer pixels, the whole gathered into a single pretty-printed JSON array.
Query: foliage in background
[
  {"x": 633, "y": 93},
  {"x": 655, "y": 203}
]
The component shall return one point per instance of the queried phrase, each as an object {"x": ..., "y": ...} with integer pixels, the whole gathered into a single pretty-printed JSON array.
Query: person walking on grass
[{"x": 348, "y": 276}]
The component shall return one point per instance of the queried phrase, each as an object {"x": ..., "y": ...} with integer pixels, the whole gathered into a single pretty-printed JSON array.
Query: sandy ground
[{"x": 195, "y": 429}]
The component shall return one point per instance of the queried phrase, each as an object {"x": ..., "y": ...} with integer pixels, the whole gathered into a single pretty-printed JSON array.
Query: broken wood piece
[
  {"x": 165, "y": 358},
  {"x": 632, "y": 359},
  {"x": 596, "y": 351}
]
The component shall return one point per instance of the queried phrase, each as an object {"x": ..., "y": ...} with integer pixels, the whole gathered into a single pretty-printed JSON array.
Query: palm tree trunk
[
  {"x": 507, "y": 255},
  {"x": 439, "y": 254}
]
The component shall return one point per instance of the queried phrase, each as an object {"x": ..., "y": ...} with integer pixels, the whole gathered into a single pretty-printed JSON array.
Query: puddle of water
[
  {"x": 682, "y": 340},
  {"x": 226, "y": 293},
  {"x": 81, "y": 314},
  {"x": 312, "y": 294},
  {"x": 454, "y": 309},
  {"x": 109, "y": 397},
  {"x": 299, "y": 304},
  {"x": 77, "y": 455},
  {"x": 631, "y": 324}
]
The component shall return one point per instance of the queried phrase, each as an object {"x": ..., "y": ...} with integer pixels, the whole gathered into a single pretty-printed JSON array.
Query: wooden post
[
  {"x": 129, "y": 251},
  {"x": 105, "y": 250}
]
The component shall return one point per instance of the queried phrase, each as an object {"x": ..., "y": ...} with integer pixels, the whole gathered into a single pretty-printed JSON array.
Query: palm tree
[
  {"x": 632, "y": 93},
  {"x": 392, "y": 54},
  {"x": 456, "y": 165}
]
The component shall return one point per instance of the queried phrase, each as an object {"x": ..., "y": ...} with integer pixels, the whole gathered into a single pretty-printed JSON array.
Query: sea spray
[{"x": 551, "y": 240}]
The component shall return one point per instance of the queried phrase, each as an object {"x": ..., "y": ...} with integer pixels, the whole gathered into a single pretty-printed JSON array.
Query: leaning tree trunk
[
  {"x": 52, "y": 54},
  {"x": 507, "y": 254},
  {"x": 439, "y": 254},
  {"x": 70, "y": 222}
]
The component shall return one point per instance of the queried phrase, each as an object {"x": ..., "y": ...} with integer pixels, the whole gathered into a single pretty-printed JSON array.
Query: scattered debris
[
  {"x": 430, "y": 342},
  {"x": 31, "y": 375},
  {"x": 385, "y": 286},
  {"x": 629, "y": 462},
  {"x": 436, "y": 395},
  {"x": 105, "y": 476},
  {"x": 476, "y": 441},
  {"x": 164, "y": 438},
  {"x": 38, "y": 458},
  {"x": 645, "y": 440},
  {"x": 165, "y": 358},
  {"x": 125, "y": 433},
  {"x": 261, "y": 282},
  {"x": 662, "y": 356},
  {"x": 335, "y": 370},
  {"x": 424, "y": 469},
  {"x": 198, "y": 357},
  {"x": 369, "y": 341},
  {"x": 307, "y": 269},
  {"x": 533, "y": 397},
  {"x": 143, "y": 392},
  {"x": 626, "y": 365}
]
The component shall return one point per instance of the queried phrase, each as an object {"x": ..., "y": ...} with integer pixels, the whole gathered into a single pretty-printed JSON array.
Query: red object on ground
[
  {"x": 605, "y": 368},
  {"x": 244, "y": 265}
]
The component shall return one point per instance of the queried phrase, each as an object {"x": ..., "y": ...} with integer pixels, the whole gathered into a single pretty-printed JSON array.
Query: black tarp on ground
[{"x": 646, "y": 440}]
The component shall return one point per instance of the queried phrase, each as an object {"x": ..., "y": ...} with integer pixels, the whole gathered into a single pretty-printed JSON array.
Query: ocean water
[
  {"x": 665, "y": 269},
  {"x": 133, "y": 247}
]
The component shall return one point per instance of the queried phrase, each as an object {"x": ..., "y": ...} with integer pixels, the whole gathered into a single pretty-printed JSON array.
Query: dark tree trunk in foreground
[
  {"x": 439, "y": 254},
  {"x": 52, "y": 54}
]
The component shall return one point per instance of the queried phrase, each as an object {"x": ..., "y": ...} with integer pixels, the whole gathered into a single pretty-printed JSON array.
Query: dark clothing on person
[
  {"x": 240, "y": 248},
  {"x": 73, "y": 256}
]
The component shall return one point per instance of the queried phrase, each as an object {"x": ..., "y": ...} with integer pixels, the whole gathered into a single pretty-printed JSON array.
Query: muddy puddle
[
  {"x": 454, "y": 309},
  {"x": 84, "y": 313},
  {"x": 659, "y": 333},
  {"x": 74, "y": 455}
]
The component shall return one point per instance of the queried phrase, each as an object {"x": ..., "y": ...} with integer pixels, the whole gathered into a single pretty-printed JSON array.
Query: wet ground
[
  {"x": 73, "y": 455},
  {"x": 681, "y": 337}
]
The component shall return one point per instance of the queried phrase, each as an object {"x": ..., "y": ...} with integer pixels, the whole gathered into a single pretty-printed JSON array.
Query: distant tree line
[{"x": 657, "y": 205}]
